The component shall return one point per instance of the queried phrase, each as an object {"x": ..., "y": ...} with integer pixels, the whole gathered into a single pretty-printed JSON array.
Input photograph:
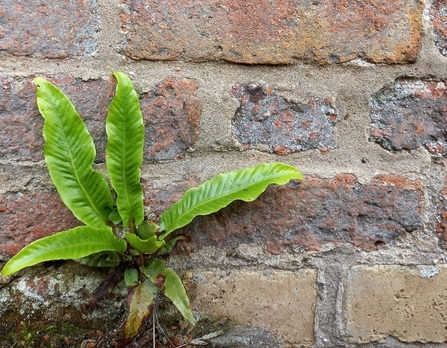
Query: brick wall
[{"x": 352, "y": 93}]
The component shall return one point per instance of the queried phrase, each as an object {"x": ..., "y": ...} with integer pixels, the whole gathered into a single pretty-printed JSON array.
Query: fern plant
[{"x": 116, "y": 233}]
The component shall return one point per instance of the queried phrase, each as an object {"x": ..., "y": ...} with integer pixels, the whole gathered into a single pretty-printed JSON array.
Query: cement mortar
[{"x": 348, "y": 86}]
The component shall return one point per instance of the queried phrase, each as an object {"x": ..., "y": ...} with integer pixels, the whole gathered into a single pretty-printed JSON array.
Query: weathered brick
[
  {"x": 409, "y": 303},
  {"x": 171, "y": 113},
  {"x": 159, "y": 199},
  {"x": 438, "y": 15},
  {"x": 21, "y": 133},
  {"x": 317, "y": 211},
  {"x": 441, "y": 226},
  {"x": 410, "y": 114},
  {"x": 48, "y": 306},
  {"x": 272, "y": 32},
  {"x": 25, "y": 217},
  {"x": 281, "y": 302},
  {"x": 53, "y": 29},
  {"x": 265, "y": 120}
]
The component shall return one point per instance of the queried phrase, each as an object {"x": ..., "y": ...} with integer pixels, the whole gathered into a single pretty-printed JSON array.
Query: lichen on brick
[
  {"x": 267, "y": 121},
  {"x": 410, "y": 114}
]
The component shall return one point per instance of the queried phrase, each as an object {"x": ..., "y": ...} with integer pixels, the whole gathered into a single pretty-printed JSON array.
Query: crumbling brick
[
  {"x": 410, "y": 114},
  {"x": 438, "y": 15},
  {"x": 266, "y": 120}
]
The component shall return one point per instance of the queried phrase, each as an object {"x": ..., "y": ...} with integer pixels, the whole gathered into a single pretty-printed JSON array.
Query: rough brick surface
[
  {"x": 171, "y": 112},
  {"x": 25, "y": 217},
  {"x": 171, "y": 116},
  {"x": 53, "y": 29},
  {"x": 409, "y": 303},
  {"x": 281, "y": 302},
  {"x": 159, "y": 199},
  {"x": 438, "y": 17},
  {"x": 316, "y": 211},
  {"x": 441, "y": 226},
  {"x": 48, "y": 306},
  {"x": 270, "y": 32},
  {"x": 21, "y": 131},
  {"x": 265, "y": 120},
  {"x": 410, "y": 114}
]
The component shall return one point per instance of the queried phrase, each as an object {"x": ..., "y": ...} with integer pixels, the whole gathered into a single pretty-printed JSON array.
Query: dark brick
[
  {"x": 171, "y": 114},
  {"x": 410, "y": 114},
  {"x": 273, "y": 32},
  {"x": 25, "y": 217},
  {"x": 441, "y": 226},
  {"x": 266, "y": 119},
  {"x": 53, "y": 29},
  {"x": 438, "y": 16},
  {"x": 317, "y": 211}
]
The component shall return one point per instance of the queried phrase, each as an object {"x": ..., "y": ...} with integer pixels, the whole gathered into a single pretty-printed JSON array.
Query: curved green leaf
[
  {"x": 146, "y": 246},
  {"x": 167, "y": 248},
  {"x": 175, "y": 291},
  {"x": 216, "y": 193},
  {"x": 140, "y": 299},
  {"x": 147, "y": 229},
  {"x": 153, "y": 268},
  {"x": 115, "y": 217},
  {"x": 103, "y": 259},
  {"x": 75, "y": 243},
  {"x": 124, "y": 151},
  {"x": 131, "y": 277},
  {"x": 69, "y": 153}
]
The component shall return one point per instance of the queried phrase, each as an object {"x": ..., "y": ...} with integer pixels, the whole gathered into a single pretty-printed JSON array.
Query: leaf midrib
[
  {"x": 219, "y": 197},
  {"x": 86, "y": 193},
  {"x": 124, "y": 162},
  {"x": 78, "y": 245}
]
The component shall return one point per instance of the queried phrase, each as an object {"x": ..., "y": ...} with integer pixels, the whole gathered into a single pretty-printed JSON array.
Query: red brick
[
  {"x": 53, "y": 29},
  {"x": 158, "y": 200},
  {"x": 438, "y": 15},
  {"x": 171, "y": 114},
  {"x": 272, "y": 32},
  {"x": 410, "y": 114},
  {"x": 316, "y": 211},
  {"x": 25, "y": 217},
  {"x": 264, "y": 119},
  {"x": 21, "y": 134}
]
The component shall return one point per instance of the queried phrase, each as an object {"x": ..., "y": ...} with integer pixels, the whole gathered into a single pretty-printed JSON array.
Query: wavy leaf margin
[{"x": 216, "y": 193}]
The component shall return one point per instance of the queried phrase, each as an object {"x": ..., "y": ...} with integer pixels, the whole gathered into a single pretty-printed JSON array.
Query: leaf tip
[{"x": 9, "y": 270}]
